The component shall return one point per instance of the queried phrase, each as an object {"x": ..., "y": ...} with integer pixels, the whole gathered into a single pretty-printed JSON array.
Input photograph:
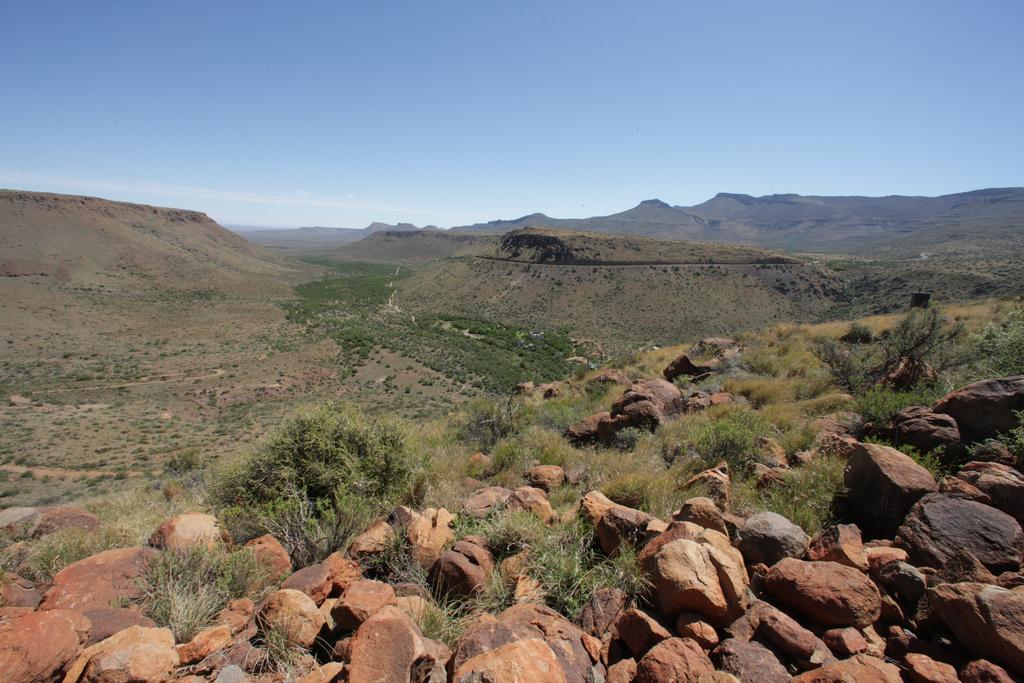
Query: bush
[
  {"x": 858, "y": 334},
  {"x": 730, "y": 437},
  {"x": 483, "y": 423},
  {"x": 805, "y": 497},
  {"x": 63, "y": 547},
  {"x": 318, "y": 454},
  {"x": 184, "y": 590},
  {"x": 1014, "y": 440},
  {"x": 878, "y": 405},
  {"x": 1001, "y": 346}
]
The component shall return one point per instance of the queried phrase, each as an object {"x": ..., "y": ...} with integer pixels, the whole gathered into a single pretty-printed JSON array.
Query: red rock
[
  {"x": 374, "y": 540},
  {"x": 750, "y": 661},
  {"x": 883, "y": 484},
  {"x": 39, "y": 646},
  {"x": 640, "y": 631},
  {"x": 690, "y": 625},
  {"x": 587, "y": 431},
  {"x": 486, "y": 499},
  {"x": 621, "y": 524},
  {"x": 323, "y": 579},
  {"x": 463, "y": 569},
  {"x": 574, "y": 649},
  {"x": 236, "y": 615},
  {"x": 546, "y": 477},
  {"x": 272, "y": 555},
  {"x": 427, "y": 534},
  {"x": 782, "y": 631},
  {"x": 611, "y": 376},
  {"x": 840, "y": 543},
  {"x": 204, "y": 643},
  {"x": 136, "y": 654},
  {"x": 186, "y": 531},
  {"x": 295, "y": 613},
  {"x": 715, "y": 482},
  {"x": 826, "y": 592},
  {"x": 923, "y": 669},
  {"x": 856, "y": 669},
  {"x": 102, "y": 580},
  {"x": 985, "y": 409},
  {"x": 604, "y": 607},
  {"x": 16, "y": 591},
  {"x": 361, "y": 600},
  {"x": 984, "y": 671},
  {"x": 1002, "y": 484},
  {"x": 682, "y": 365},
  {"x": 845, "y": 641},
  {"x": 385, "y": 648},
  {"x": 622, "y": 671},
  {"x": 107, "y": 621},
  {"x": 527, "y": 660},
  {"x": 702, "y": 512},
  {"x": 63, "y": 517},
  {"x": 987, "y": 621},
  {"x": 676, "y": 660},
  {"x": 593, "y": 506},
  {"x": 532, "y": 500},
  {"x": 939, "y": 526},
  {"x": 923, "y": 429},
  {"x": 958, "y": 488}
]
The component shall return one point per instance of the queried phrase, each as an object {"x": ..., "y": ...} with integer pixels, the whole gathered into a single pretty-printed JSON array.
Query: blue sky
[{"x": 339, "y": 113}]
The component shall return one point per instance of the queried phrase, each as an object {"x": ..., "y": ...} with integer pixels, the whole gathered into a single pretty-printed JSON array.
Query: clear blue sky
[{"x": 339, "y": 113}]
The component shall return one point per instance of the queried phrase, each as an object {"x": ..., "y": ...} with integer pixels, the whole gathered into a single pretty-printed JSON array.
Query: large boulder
[
  {"x": 187, "y": 530},
  {"x": 925, "y": 430},
  {"x": 693, "y": 569},
  {"x": 526, "y": 660},
  {"x": 702, "y": 512},
  {"x": 294, "y": 613},
  {"x": 486, "y": 499},
  {"x": 988, "y": 621},
  {"x": 768, "y": 537},
  {"x": 663, "y": 394},
  {"x": 676, "y": 660},
  {"x": 985, "y": 409},
  {"x": 588, "y": 431},
  {"x": 545, "y": 477},
  {"x": 1002, "y": 484},
  {"x": 16, "y": 591},
  {"x": 640, "y": 631},
  {"x": 828, "y": 593},
  {"x": 857, "y": 669},
  {"x": 939, "y": 526},
  {"x": 39, "y": 646},
  {"x": 462, "y": 570},
  {"x": 106, "y": 621},
  {"x": 63, "y": 517},
  {"x": 883, "y": 484},
  {"x": 329, "y": 577},
  {"x": 682, "y": 366},
  {"x": 601, "y": 611},
  {"x": 532, "y": 500},
  {"x": 137, "y": 655},
  {"x": 102, "y": 580}
]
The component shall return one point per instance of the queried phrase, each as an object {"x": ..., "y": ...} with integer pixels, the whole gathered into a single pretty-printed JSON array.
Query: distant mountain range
[{"x": 785, "y": 221}]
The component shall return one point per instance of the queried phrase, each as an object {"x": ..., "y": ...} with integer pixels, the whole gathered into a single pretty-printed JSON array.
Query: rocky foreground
[{"x": 923, "y": 584}]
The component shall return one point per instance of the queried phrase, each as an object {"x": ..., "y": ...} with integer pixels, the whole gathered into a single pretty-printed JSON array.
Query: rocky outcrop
[
  {"x": 768, "y": 537},
  {"x": 102, "y": 580},
  {"x": 827, "y": 593},
  {"x": 39, "y": 646},
  {"x": 293, "y": 613},
  {"x": 925, "y": 430},
  {"x": 985, "y": 409},
  {"x": 462, "y": 570},
  {"x": 987, "y": 620},
  {"x": 883, "y": 484},
  {"x": 136, "y": 654},
  {"x": 182, "y": 532}
]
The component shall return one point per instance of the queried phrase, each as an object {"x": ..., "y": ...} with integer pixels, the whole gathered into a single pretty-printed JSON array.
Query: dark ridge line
[{"x": 620, "y": 264}]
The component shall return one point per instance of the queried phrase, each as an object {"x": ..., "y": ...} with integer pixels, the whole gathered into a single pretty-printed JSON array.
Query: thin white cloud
[{"x": 301, "y": 198}]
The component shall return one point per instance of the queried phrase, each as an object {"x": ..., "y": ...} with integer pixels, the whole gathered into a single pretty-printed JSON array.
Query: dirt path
[
  {"x": 164, "y": 377},
  {"x": 61, "y": 473}
]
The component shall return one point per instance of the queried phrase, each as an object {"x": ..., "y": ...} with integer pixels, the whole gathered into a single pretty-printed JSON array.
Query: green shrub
[
  {"x": 507, "y": 532},
  {"x": 858, "y": 334},
  {"x": 730, "y": 437},
  {"x": 55, "y": 551},
  {"x": 318, "y": 454},
  {"x": 1001, "y": 345},
  {"x": 483, "y": 423},
  {"x": 184, "y": 590},
  {"x": 805, "y": 497},
  {"x": 878, "y": 405},
  {"x": 627, "y": 439}
]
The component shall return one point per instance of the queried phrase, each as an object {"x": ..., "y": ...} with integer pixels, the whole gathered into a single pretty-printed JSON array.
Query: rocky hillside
[{"x": 708, "y": 525}]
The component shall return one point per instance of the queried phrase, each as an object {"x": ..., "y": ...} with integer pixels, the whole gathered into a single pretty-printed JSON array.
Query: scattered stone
[
  {"x": 984, "y": 671},
  {"x": 958, "y": 488},
  {"x": 770, "y": 453},
  {"x": 985, "y": 409},
  {"x": 373, "y": 541},
  {"x": 702, "y": 512},
  {"x": 328, "y": 673},
  {"x": 545, "y": 477},
  {"x": 18, "y": 521},
  {"x": 695, "y": 570},
  {"x": 682, "y": 365},
  {"x": 594, "y": 504},
  {"x": 640, "y": 631},
  {"x": 385, "y": 648},
  {"x": 715, "y": 483},
  {"x": 840, "y": 543},
  {"x": 107, "y": 621},
  {"x": 601, "y": 611},
  {"x": 750, "y": 661},
  {"x": 272, "y": 555},
  {"x": 769, "y": 537},
  {"x": 828, "y": 593},
  {"x": 1002, "y": 484},
  {"x": 236, "y": 615},
  {"x": 938, "y": 526},
  {"x": 16, "y": 591},
  {"x": 611, "y": 376},
  {"x": 856, "y": 669},
  {"x": 532, "y": 500},
  {"x": 923, "y": 669},
  {"x": 204, "y": 643},
  {"x": 620, "y": 524},
  {"x": 690, "y": 625},
  {"x": 362, "y": 599},
  {"x": 845, "y": 641},
  {"x": 923, "y": 429},
  {"x": 883, "y": 484},
  {"x": 136, "y": 654},
  {"x": 676, "y": 660},
  {"x": 102, "y": 580},
  {"x": 587, "y": 431},
  {"x": 462, "y": 570},
  {"x": 903, "y": 579},
  {"x": 428, "y": 533},
  {"x": 38, "y": 646},
  {"x": 486, "y": 499},
  {"x": 988, "y": 621},
  {"x": 529, "y": 659},
  {"x": 294, "y": 613},
  {"x": 622, "y": 671},
  {"x": 63, "y": 517},
  {"x": 188, "y": 530},
  {"x": 790, "y": 637}
]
